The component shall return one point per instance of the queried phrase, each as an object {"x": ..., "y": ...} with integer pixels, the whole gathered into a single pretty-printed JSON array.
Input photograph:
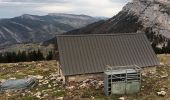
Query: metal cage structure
[{"x": 122, "y": 79}]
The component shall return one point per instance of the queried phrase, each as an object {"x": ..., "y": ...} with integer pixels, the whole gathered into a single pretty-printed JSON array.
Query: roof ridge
[{"x": 111, "y": 34}]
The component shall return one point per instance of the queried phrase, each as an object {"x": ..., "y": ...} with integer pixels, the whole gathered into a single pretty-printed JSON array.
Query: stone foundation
[{"x": 78, "y": 78}]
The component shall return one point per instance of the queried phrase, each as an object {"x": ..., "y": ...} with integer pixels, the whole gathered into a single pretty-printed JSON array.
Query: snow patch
[
  {"x": 27, "y": 16},
  {"x": 12, "y": 34},
  {"x": 2, "y": 34},
  {"x": 83, "y": 17},
  {"x": 28, "y": 28}
]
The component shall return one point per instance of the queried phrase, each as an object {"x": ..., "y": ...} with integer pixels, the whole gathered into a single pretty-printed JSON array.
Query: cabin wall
[
  {"x": 78, "y": 78},
  {"x": 62, "y": 75}
]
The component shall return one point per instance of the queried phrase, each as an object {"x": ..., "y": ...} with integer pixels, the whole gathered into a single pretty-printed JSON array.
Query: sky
[{"x": 96, "y": 8}]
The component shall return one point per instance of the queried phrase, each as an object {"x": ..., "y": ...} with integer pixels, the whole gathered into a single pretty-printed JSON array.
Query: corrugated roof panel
[
  {"x": 85, "y": 59},
  {"x": 66, "y": 53},
  {"x": 115, "y": 51},
  {"x": 102, "y": 46},
  {"x": 80, "y": 54},
  {"x": 96, "y": 54},
  {"x": 73, "y": 56},
  {"x": 90, "y": 59}
]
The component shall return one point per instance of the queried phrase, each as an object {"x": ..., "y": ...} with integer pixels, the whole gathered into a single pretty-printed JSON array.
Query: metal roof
[{"x": 81, "y": 54}]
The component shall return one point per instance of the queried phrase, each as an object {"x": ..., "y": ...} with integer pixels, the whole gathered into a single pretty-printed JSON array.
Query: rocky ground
[{"x": 155, "y": 83}]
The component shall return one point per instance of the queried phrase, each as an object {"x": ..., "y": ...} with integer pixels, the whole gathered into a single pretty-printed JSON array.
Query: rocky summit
[
  {"x": 148, "y": 16},
  {"x": 153, "y": 15}
]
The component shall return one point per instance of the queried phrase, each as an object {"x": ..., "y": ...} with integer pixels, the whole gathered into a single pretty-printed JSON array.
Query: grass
[
  {"x": 23, "y": 70},
  {"x": 152, "y": 82}
]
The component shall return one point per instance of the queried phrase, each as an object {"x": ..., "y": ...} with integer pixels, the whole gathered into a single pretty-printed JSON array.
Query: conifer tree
[{"x": 49, "y": 56}]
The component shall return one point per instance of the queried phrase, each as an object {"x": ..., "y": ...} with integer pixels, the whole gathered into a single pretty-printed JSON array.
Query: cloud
[
  {"x": 106, "y": 8},
  {"x": 54, "y": 8},
  {"x": 35, "y": 1}
]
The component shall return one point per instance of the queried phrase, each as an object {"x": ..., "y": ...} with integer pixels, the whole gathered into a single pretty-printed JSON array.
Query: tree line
[
  {"x": 164, "y": 50},
  {"x": 22, "y": 56}
]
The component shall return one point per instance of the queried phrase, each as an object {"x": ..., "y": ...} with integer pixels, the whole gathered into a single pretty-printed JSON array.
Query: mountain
[
  {"x": 148, "y": 16},
  {"x": 33, "y": 28}
]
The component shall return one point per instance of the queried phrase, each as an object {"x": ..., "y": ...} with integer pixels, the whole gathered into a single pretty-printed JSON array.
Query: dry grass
[
  {"x": 152, "y": 82},
  {"x": 164, "y": 58},
  {"x": 24, "y": 70}
]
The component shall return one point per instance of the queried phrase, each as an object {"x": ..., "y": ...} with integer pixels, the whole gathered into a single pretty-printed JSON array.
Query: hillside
[
  {"x": 34, "y": 28},
  {"x": 28, "y": 47},
  {"x": 154, "y": 79},
  {"x": 148, "y": 16}
]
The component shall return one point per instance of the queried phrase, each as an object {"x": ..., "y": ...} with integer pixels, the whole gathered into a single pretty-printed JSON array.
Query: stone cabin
[{"x": 87, "y": 56}]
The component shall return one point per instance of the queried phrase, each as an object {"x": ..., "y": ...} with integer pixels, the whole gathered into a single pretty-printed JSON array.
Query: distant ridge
[{"x": 33, "y": 28}]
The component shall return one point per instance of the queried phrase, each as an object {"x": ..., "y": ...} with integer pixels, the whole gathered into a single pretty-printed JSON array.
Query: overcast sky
[{"x": 107, "y": 8}]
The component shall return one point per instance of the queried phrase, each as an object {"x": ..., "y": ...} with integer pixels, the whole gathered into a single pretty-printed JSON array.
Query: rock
[
  {"x": 54, "y": 82},
  {"x": 40, "y": 84},
  {"x": 12, "y": 78},
  {"x": 161, "y": 93},
  {"x": 97, "y": 87},
  {"x": 83, "y": 85},
  {"x": 28, "y": 91},
  {"x": 39, "y": 65},
  {"x": 39, "y": 77},
  {"x": 60, "y": 98},
  {"x": 122, "y": 98},
  {"x": 100, "y": 83},
  {"x": 143, "y": 80},
  {"x": 44, "y": 91},
  {"x": 49, "y": 86},
  {"x": 53, "y": 78},
  {"x": 46, "y": 69},
  {"x": 45, "y": 95},
  {"x": 45, "y": 77},
  {"x": 54, "y": 75},
  {"x": 23, "y": 94},
  {"x": 40, "y": 81},
  {"x": 70, "y": 87},
  {"x": 16, "y": 64},
  {"x": 38, "y": 94},
  {"x": 58, "y": 90},
  {"x": 55, "y": 85},
  {"x": 164, "y": 76},
  {"x": 45, "y": 82},
  {"x": 59, "y": 79},
  {"x": 48, "y": 90},
  {"x": 161, "y": 63},
  {"x": 92, "y": 97},
  {"x": 142, "y": 87},
  {"x": 86, "y": 81},
  {"x": 2, "y": 80}
]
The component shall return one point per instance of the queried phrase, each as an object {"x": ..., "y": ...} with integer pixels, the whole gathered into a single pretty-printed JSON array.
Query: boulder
[
  {"x": 70, "y": 87},
  {"x": 38, "y": 95},
  {"x": 161, "y": 93},
  {"x": 122, "y": 98},
  {"x": 60, "y": 98}
]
